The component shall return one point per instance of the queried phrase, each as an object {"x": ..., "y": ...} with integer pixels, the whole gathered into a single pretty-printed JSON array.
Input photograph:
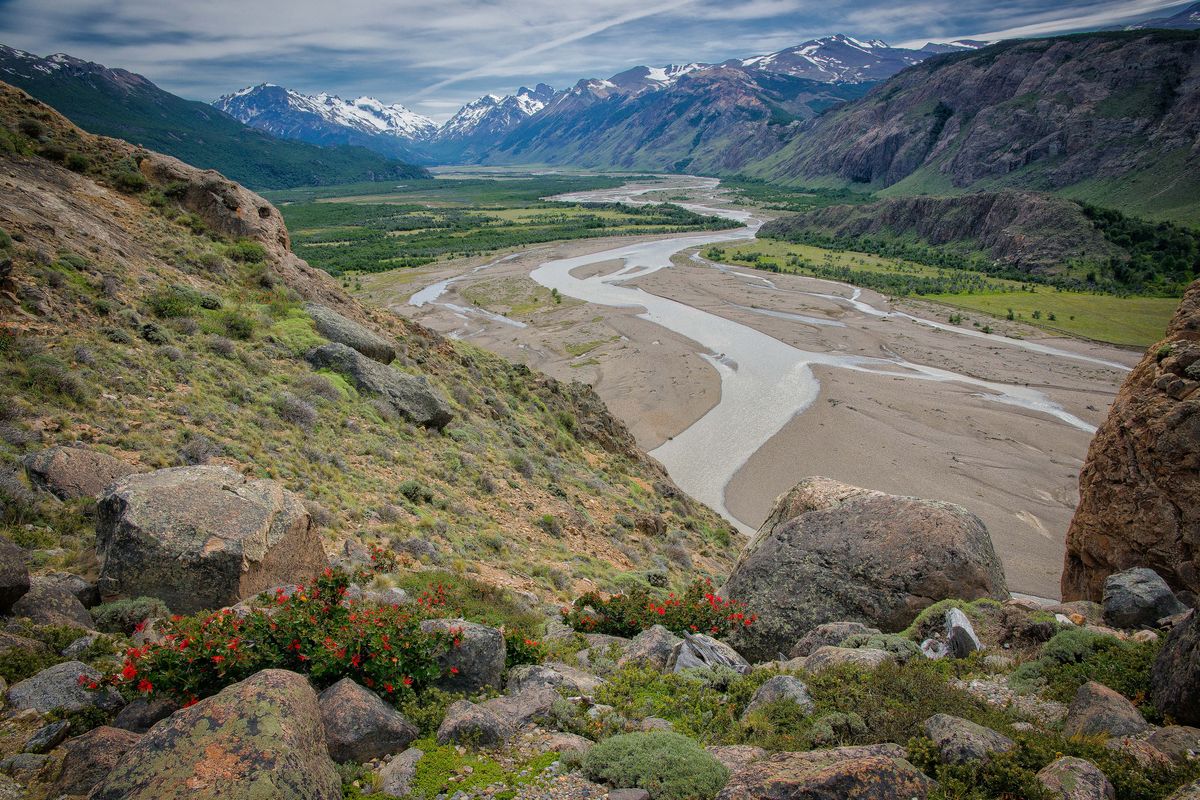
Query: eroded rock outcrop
[
  {"x": 202, "y": 537},
  {"x": 339, "y": 328},
  {"x": 1175, "y": 678},
  {"x": 1139, "y": 491},
  {"x": 71, "y": 472},
  {"x": 833, "y": 552},
  {"x": 878, "y": 772},
  {"x": 410, "y": 396}
]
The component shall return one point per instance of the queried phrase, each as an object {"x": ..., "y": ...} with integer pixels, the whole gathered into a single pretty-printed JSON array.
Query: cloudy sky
[{"x": 434, "y": 55}]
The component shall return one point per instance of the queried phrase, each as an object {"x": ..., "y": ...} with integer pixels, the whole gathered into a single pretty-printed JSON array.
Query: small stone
[
  {"x": 359, "y": 726},
  {"x": 828, "y": 633},
  {"x": 1144, "y": 637},
  {"x": 961, "y": 634},
  {"x": 396, "y": 776},
  {"x": 628, "y": 794},
  {"x": 471, "y": 724},
  {"x": 781, "y": 688},
  {"x": 48, "y": 737},
  {"x": 701, "y": 650},
  {"x": 90, "y": 757}
]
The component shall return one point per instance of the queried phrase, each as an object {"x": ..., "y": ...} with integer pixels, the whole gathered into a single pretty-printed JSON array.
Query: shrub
[
  {"x": 130, "y": 182},
  {"x": 199, "y": 449},
  {"x": 238, "y": 324},
  {"x": 77, "y": 162},
  {"x": 522, "y": 647},
  {"x": 48, "y": 376},
  {"x": 416, "y": 492},
  {"x": 32, "y": 128},
  {"x": 667, "y": 765},
  {"x": 122, "y": 616},
  {"x": 314, "y": 631},
  {"x": 697, "y": 610},
  {"x": 550, "y": 524},
  {"x": 168, "y": 302},
  {"x": 1075, "y": 656},
  {"x": 5, "y": 240},
  {"x": 247, "y": 252},
  {"x": 293, "y": 410}
]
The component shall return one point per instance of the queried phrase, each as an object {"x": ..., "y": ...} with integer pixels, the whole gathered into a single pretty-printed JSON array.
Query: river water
[{"x": 764, "y": 381}]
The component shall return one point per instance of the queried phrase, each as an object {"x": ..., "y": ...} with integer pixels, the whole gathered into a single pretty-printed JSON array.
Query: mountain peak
[{"x": 278, "y": 110}]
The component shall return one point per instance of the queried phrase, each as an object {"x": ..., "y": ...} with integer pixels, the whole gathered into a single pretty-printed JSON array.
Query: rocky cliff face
[
  {"x": 1139, "y": 490},
  {"x": 1093, "y": 111},
  {"x": 1030, "y": 231}
]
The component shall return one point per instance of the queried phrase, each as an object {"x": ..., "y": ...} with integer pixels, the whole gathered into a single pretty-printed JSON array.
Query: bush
[
  {"x": 32, "y": 128},
  {"x": 47, "y": 376},
  {"x": 522, "y": 647},
  {"x": 294, "y": 410},
  {"x": 697, "y": 610},
  {"x": 122, "y": 616},
  {"x": 315, "y": 631},
  {"x": 238, "y": 324},
  {"x": 416, "y": 492},
  {"x": 77, "y": 162},
  {"x": 169, "y": 302},
  {"x": 1075, "y": 656},
  {"x": 131, "y": 182},
  {"x": 667, "y": 765},
  {"x": 247, "y": 252}
]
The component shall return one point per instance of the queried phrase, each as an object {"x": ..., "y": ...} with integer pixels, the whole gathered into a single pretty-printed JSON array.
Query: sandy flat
[{"x": 1016, "y": 468}]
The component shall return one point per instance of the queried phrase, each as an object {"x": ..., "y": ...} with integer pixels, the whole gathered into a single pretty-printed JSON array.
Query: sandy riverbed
[{"x": 1016, "y": 468}]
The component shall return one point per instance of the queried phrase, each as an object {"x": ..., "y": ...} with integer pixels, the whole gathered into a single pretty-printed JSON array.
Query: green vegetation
[
  {"x": 122, "y": 616},
  {"x": 350, "y": 229},
  {"x": 667, "y": 765},
  {"x": 791, "y": 198},
  {"x": 1124, "y": 320},
  {"x": 1074, "y": 657}
]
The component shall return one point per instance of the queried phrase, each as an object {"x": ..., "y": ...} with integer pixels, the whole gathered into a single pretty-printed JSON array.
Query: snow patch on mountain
[{"x": 365, "y": 114}]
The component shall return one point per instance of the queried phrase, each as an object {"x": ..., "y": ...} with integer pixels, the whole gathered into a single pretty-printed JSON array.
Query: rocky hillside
[
  {"x": 154, "y": 314},
  {"x": 1139, "y": 490},
  {"x": 1109, "y": 117},
  {"x": 114, "y": 102}
]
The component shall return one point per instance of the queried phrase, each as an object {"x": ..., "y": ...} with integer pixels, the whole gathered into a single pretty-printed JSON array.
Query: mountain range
[
  {"x": 121, "y": 104},
  {"x": 786, "y": 85}
]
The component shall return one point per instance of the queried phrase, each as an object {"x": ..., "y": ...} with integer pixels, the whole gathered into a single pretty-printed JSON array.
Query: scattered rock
[
  {"x": 48, "y": 737},
  {"x": 552, "y": 675},
  {"x": 72, "y": 472},
  {"x": 141, "y": 714},
  {"x": 359, "y": 726},
  {"x": 828, "y": 633},
  {"x": 652, "y": 647},
  {"x": 1144, "y": 636},
  {"x": 1175, "y": 677},
  {"x": 1090, "y": 611},
  {"x": 203, "y": 537},
  {"x": 83, "y": 589},
  {"x": 59, "y": 687},
  {"x": 395, "y": 777},
  {"x": 1076, "y": 779},
  {"x": 1189, "y": 792},
  {"x": 525, "y": 706},
  {"x": 336, "y": 328},
  {"x": 14, "y": 574},
  {"x": 258, "y": 738},
  {"x": 80, "y": 645},
  {"x": 628, "y": 794},
  {"x": 876, "y": 772},
  {"x": 46, "y": 603},
  {"x": 781, "y": 687},
  {"x": 476, "y": 661},
  {"x": 736, "y": 756},
  {"x": 701, "y": 650},
  {"x": 26, "y": 768},
  {"x": 1138, "y": 490},
  {"x": 469, "y": 724},
  {"x": 90, "y": 757},
  {"x": 831, "y": 552},
  {"x": 863, "y": 657},
  {"x": 1180, "y": 743},
  {"x": 412, "y": 397},
  {"x": 562, "y": 742},
  {"x": 1138, "y": 598},
  {"x": 1098, "y": 710},
  {"x": 960, "y": 741},
  {"x": 655, "y": 724}
]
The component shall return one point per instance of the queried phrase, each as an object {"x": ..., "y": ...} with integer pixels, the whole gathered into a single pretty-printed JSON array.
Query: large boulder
[
  {"x": 652, "y": 647},
  {"x": 1175, "y": 677},
  {"x": 475, "y": 658},
  {"x": 875, "y": 772},
  {"x": 867, "y": 658},
  {"x": 64, "y": 686},
  {"x": 781, "y": 688},
  {"x": 1072, "y": 778},
  {"x": 702, "y": 650},
  {"x": 359, "y": 726},
  {"x": 1139, "y": 490},
  {"x": 554, "y": 676},
  {"x": 90, "y": 757},
  {"x": 1138, "y": 597},
  {"x": 1179, "y": 743},
  {"x": 527, "y": 705},
  {"x": 48, "y": 603},
  {"x": 467, "y": 723},
  {"x": 72, "y": 472},
  {"x": 259, "y": 738},
  {"x": 960, "y": 741},
  {"x": 14, "y": 574},
  {"x": 1098, "y": 710},
  {"x": 833, "y": 552},
  {"x": 337, "y": 328},
  {"x": 410, "y": 396},
  {"x": 203, "y": 537}
]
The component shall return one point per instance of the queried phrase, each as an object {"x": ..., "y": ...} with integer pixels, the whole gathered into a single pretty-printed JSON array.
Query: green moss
[{"x": 296, "y": 333}]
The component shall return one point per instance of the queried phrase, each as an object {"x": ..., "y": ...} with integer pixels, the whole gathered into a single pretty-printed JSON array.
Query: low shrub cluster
[
  {"x": 315, "y": 631},
  {"x": 667, "y": 765},
  {"x": 696, "y": 610},
  {"x": 1075, "y": 656}
]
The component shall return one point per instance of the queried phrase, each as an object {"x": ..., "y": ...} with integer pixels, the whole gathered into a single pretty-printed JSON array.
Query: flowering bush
[
  {"x": 315, "y": 631},
  {"x": 383, "y": 560},
  {"x": 522, "y": 647},
  {"x": 697, "y": 610}
]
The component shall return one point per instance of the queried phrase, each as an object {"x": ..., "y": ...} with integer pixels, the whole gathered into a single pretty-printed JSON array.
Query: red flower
[
  {"x": 191, "y": 701},
  {"x": 129, "y": 672},
  {"x": 389, "y": 688},
  {"x": 218, "y": 659},
  {"x": 454, "y": 670},
  {"x": 408, "y": 681},
  {"x": 356, "y": 659},
  {"x": 145, "y": 686}
]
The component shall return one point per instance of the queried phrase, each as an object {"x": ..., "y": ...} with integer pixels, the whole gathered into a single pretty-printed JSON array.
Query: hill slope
[
  {"x": 113, "y": 102},
  {"x": 163, "y": 322},
  {"x": 1106, "y": 117}
]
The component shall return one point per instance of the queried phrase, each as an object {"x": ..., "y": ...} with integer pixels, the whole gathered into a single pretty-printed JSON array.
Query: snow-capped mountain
[
  {"x": 492, "y": 115},
  {"x": 326, "y": 119},
  {"x": 841, "y": 59},
  {"x": 1187, "y": 19}
]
